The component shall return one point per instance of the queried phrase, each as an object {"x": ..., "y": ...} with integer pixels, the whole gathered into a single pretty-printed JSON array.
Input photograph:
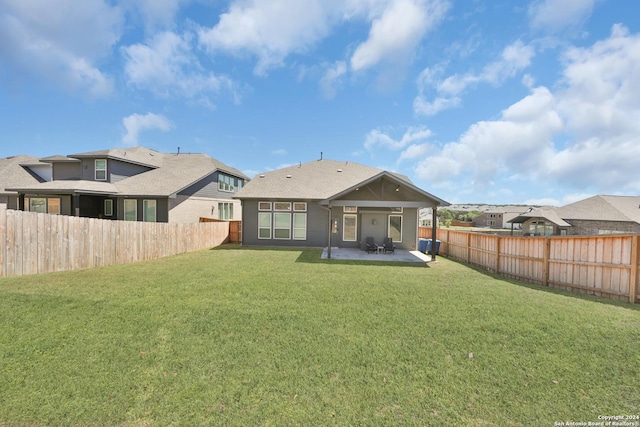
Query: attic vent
[
  {"x": 339, "y": 170},
  {"x": 288, "y": 176}
]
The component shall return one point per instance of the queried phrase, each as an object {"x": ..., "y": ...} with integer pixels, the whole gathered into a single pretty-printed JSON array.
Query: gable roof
[
  {"x": 596, "y": 208},
  {"x": 319, "y": 180},
  {"x": 13, "y": 172},
  {"x": 169, "y": 173}
]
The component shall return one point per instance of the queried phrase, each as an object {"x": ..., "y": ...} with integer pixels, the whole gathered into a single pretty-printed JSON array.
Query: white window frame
[
  {"x": 96, "y": 169},
  {"x": 344, "y": 227},
  {"x": 299, "y": 233},
  {"x": 350, "y": 209},
  {"x": 108, "y": 207},
  {"x": 299, "y": 206},
  {"x": 225, "y": 211},
  {"x": 268, "y": 228},
  {"x": 146, "y": 204},
  {"x": 276, "y": 228},
  {"x": 278, "y": 206},
  {"x": 135, "y": 210},
  {"x": 389, "y": 227},
  {"x": 226, "y": 183},
  {"x": 264, "y": 206}
]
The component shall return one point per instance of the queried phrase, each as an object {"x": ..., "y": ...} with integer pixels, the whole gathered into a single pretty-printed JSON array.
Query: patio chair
[
  {"x": 388, "y": 245},
  {"x": 370, "y": 245}
]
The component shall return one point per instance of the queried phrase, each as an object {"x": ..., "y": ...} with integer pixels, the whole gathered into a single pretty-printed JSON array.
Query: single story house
[
  {"x": 18, "y": 171},
  {"x": 135, "y": 184},
  {"x": 328, "y": 203},
  {"x": 595, "y": 215}
]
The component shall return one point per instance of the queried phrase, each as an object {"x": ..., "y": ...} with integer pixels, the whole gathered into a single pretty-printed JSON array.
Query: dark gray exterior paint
[{"x": 67, "y": 171}]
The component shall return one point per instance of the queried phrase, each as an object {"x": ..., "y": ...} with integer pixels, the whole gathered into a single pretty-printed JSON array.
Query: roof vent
[
  {"x": 262, "y": 176},
  {"x": 339, "y": 170},
  {"x": 288, "y": 176}
]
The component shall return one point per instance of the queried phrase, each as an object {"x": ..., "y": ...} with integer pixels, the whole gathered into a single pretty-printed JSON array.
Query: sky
[{"x": 476, "y": 101}]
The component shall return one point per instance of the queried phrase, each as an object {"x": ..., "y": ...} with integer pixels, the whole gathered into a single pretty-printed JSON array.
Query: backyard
[{"x": 240, "y": 336}]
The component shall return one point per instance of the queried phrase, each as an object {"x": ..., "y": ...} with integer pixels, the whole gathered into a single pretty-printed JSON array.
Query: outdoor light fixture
[{"x": 398, "y": 188}]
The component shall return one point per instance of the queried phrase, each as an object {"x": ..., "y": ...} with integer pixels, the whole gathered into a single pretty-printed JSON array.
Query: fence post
[
  {"x": 498, "y": 239},
  {"x": 468, "y": 248},
  {"x": 633, "y": 278},
  {"x": 545, "y": 266}
]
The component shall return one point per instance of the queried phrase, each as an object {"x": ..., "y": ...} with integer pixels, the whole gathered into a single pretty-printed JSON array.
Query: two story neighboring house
[
  {"x": 136, "y": 184},
  {"x": 498, "y": 217},
  {"x": 595, "y": 215},
  {"x": 17, "y": 171}
]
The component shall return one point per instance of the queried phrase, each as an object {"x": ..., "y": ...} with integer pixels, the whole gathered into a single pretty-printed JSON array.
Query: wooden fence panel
[
  {"x": 40, "y": 243},
  {"x": 607, "y": 266}
]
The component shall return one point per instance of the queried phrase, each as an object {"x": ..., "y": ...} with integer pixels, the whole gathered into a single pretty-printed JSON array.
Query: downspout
[{"x": 434, "y": 232}]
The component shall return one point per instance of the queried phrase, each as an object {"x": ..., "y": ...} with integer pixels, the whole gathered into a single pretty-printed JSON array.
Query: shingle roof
[
  {"x": 316, "y": 180},
  {"x": 596, "y": 208},
  {"x": 13, "y": 174},
  {"x": 169, "y": 173},
  {"x": 603, "y": 208}
]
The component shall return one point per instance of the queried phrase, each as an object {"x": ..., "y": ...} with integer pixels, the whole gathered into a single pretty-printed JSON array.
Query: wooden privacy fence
[
  {"x": 235, "y": 228},
  {"x": 41, "y": 243},
  {"x": 600, "y": 265}
]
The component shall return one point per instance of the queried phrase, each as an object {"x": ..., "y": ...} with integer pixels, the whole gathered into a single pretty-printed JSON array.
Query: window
[
  {"x": 53, "y": 206},
  {"x": 540, "y": 228},
  {"x": 225, "y": 211},
  {"x": 350, "y": 209},
  {"x": 281, "y": 225},
  {"x": 264, "y": 206},
  {"x": 108, "y": 207},
  {"x": 395, "y": 227},
  {"x": 49, "y": 205},
  {"x": 101, "y": 169},
  {"x": 299, "y": 207},
  {"x": 225, "y": 183},
  {"x": 350, "y": 228},
  {"x": 299, "y": 226},
  {"x": 149, "y": 210},
  {"x": 38, "y": 204},
  {"x": 282, "y": 206},
  {"x": 130, "y": 210},
  {"x": 264, "y": 225}
]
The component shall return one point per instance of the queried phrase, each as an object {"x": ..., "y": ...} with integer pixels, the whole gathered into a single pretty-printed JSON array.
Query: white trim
[
  {"x": 389, "y": 226},
  {"x": 344, "y": 218},
  {"x": 145, "y": 206},
  {"x": 109, "y": 203},
  {"x": 135, "y": 204},
  {"x": 265, "y": 228},
  {"x": 95, "y": 169},
  {"x": 293, "y": 226}
]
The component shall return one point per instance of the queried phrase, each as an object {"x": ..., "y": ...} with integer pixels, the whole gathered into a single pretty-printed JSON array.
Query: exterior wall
[
  {"x": 208, "y": 188},
  {"x": 184, "y": 209},
  {"x": 588, "y": 228},
  {"x": 67, "y": 170},
  {"x": 117, "y": 170},
  {"x": 317, "y": 224},
  {"x": 369, "y": 222},
  {"x": 162, "y": 208}
]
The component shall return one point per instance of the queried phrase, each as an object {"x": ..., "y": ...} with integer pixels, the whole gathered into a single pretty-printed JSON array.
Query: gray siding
[
  {"x": 208, "y": 187},
  {"x": 317, "y": 224},
  {"x": 117, "y": 171},
  {"x": 67, "y": 171}
]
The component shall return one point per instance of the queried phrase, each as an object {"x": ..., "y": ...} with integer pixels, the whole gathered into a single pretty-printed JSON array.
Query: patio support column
[{"x": 434, "y": 232}]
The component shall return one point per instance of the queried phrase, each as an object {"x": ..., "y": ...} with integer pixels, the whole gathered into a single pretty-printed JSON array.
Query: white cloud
[
  {"x": 53, "y": 44},
  {"x": 556, "y": 15},
  {"x": 415, "y": 151},
  {"x": 378, "y": 138},
  {"x": 514, "y": 58},
  {"x": 332, "y": 79},
  {"x": 155, "y": 13},
  {"x": 585, "y": 134},
  {"x": 265, "y": 30},
  {"x": 395, "y": 34},
  {"x": 279, "y": 152},
  {"x": 166, "y": 66},
  {"x": 136, "y": 123}
]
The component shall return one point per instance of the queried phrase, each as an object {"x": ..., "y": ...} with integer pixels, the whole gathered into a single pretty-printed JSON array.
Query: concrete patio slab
[{"x": 356, "y": 254}]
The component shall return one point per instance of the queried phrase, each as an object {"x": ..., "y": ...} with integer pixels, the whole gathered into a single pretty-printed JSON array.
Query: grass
[{"x": 237, "y": 336}]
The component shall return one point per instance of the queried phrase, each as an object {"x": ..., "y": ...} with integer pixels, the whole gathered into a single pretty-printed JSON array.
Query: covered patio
[{"x": 399, "y": 255}]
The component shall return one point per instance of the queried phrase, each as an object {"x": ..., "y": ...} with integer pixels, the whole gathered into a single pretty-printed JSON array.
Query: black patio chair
[
  {"x": 388, "y": 245},
  {"x": 370, "y": 245}
]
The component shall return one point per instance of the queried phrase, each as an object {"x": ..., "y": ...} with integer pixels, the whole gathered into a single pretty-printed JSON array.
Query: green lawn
[{"x": 237, "y": 336}]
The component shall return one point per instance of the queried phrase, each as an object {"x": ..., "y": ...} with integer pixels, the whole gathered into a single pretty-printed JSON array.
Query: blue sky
[{"x": 476, "y": 101}]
